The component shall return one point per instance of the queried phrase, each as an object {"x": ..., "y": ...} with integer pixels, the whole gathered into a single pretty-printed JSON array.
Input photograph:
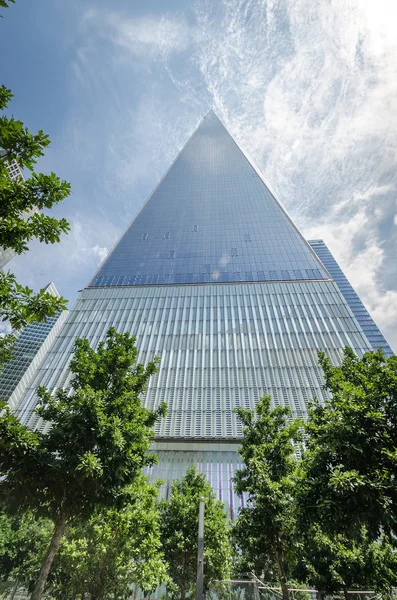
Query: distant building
[
  {"x": 358, "y": 309},
  {"x": 32, "y": 344},
  {"x": 6, "y": 256},
  {"x": 14, "y": 172}
]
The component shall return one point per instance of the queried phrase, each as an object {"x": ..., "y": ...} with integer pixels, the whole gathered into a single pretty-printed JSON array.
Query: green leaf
[
  {"x": 179, "y": 531},
  {"x": 91, "y": 459}
]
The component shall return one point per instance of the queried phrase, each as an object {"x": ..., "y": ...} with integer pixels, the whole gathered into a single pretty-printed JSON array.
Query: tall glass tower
[
  {"x": 31, "y": 346},
  {"x": 212, "y": 276},
  {"x": 368, "y": 325}
]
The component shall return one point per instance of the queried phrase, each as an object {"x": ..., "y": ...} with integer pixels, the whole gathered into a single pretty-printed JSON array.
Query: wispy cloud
[
  {"x": 147, "y": 38},
  {"x": 350, "y": 224},
  {"x": 150, "y": 37},
  {"x": 71, "y": 263},
  {"x": 309, "y": 89}
]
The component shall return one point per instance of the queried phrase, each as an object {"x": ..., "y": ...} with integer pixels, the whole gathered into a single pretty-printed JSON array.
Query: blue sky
[{"x": 309, "y": 90}]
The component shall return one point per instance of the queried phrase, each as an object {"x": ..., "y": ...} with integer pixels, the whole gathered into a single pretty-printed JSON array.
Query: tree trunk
[
  {"x": 345, "y": 593},
  {"x": 53, "y": 548},
  {"x": 183, "y": 582},
  {"x": 183, "y": 592},
  {"x": 281, "y": 574},
  {"x": 14, "y": 590},
  {"x": 100, "y": 584}
]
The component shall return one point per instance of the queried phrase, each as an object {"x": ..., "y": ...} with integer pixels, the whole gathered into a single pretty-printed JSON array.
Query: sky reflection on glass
[{"x": 211, "y": 219}]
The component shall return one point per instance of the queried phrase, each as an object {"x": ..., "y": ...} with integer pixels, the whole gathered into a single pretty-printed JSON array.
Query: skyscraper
[
  {"x": 32, "y": 343},
  {"x": 213, "y": 276},
  {"x": 14, "y": 172},
  {"x": 368, "y": 325}
]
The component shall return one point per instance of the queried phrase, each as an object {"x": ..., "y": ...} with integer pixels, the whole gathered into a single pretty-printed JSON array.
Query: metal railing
[{"x": 254, "y": 588}]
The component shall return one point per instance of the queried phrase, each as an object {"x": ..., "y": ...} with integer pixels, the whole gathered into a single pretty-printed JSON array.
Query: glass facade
[
  {"x": 218, "y": 462},
  {"x": 29, "y": 343},
  {"x": 221, "y": 346},
  {"x": 213, "y": 277},
  {"x": 14, "y": 170},
  {"x": 363, "y": 317},
  {"x": 27, "y": 346},
  {"x": 210, "y": 219},
  {"x": 5, "y": 256}
]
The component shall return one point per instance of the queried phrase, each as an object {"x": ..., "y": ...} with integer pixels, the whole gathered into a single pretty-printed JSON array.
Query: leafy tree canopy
[
  {"x": 179, "y": 522},
  {"x": 21, "y": 200},
  {"x": 113, "y": 550},
  {"x": 350, "y": 464},
  {"x": 20, "y": 306},
  {"x": 331, "y": 563},
  {"x": 96, "y": 447},
  {"x": 101, "y": 557},
  {"x": 23, "y": 542},
  {"x": 265, "y": 530},
  {"x": 6, "y": 4},
  {"x": 21, "y": 217}
]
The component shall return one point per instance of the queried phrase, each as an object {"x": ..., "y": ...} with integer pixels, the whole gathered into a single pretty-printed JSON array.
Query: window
[
  {"x": 167, "y": 235},
  {"x": 144, "y": 236},
  {"x": 195, "y": 228}
]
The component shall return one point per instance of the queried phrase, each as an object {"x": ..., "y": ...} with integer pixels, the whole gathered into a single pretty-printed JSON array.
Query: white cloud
[
  {"x": 71, "y": 263},
  {"x": 5, "y": 328},
  {"x": 310, "y": 91},
  {"x": 147, "y": 37},
  {"x": 96, "y": 252},
  {"x": 79, "y": 246},
  {"x": 152, "y": 35},
  {"x": 364, "y": 267}
]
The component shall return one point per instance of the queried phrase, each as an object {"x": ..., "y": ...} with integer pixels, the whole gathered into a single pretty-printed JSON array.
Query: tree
[
  {"x": 23, "y": 542},
  {"x": 179, "y": 522},
  {"x": 22, "y": 219},
  {"x": 96, "y": 447},
  {"x": 350, "y": 464},
  {"x": 100, "y": 558},
  {"x": 337, "y": 562},
  {"x": 265, "y": 530},
  {"x": 20, "y": 199},
  {"x": 20, "y": 306},
  {"x": 114, "y": 549},
  {"x": 6, "y": 3}
]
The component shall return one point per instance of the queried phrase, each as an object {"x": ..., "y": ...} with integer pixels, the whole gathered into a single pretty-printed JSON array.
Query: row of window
[
  {"x": 195, "y": 228},
  {"x": 209, "y": 275}
]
